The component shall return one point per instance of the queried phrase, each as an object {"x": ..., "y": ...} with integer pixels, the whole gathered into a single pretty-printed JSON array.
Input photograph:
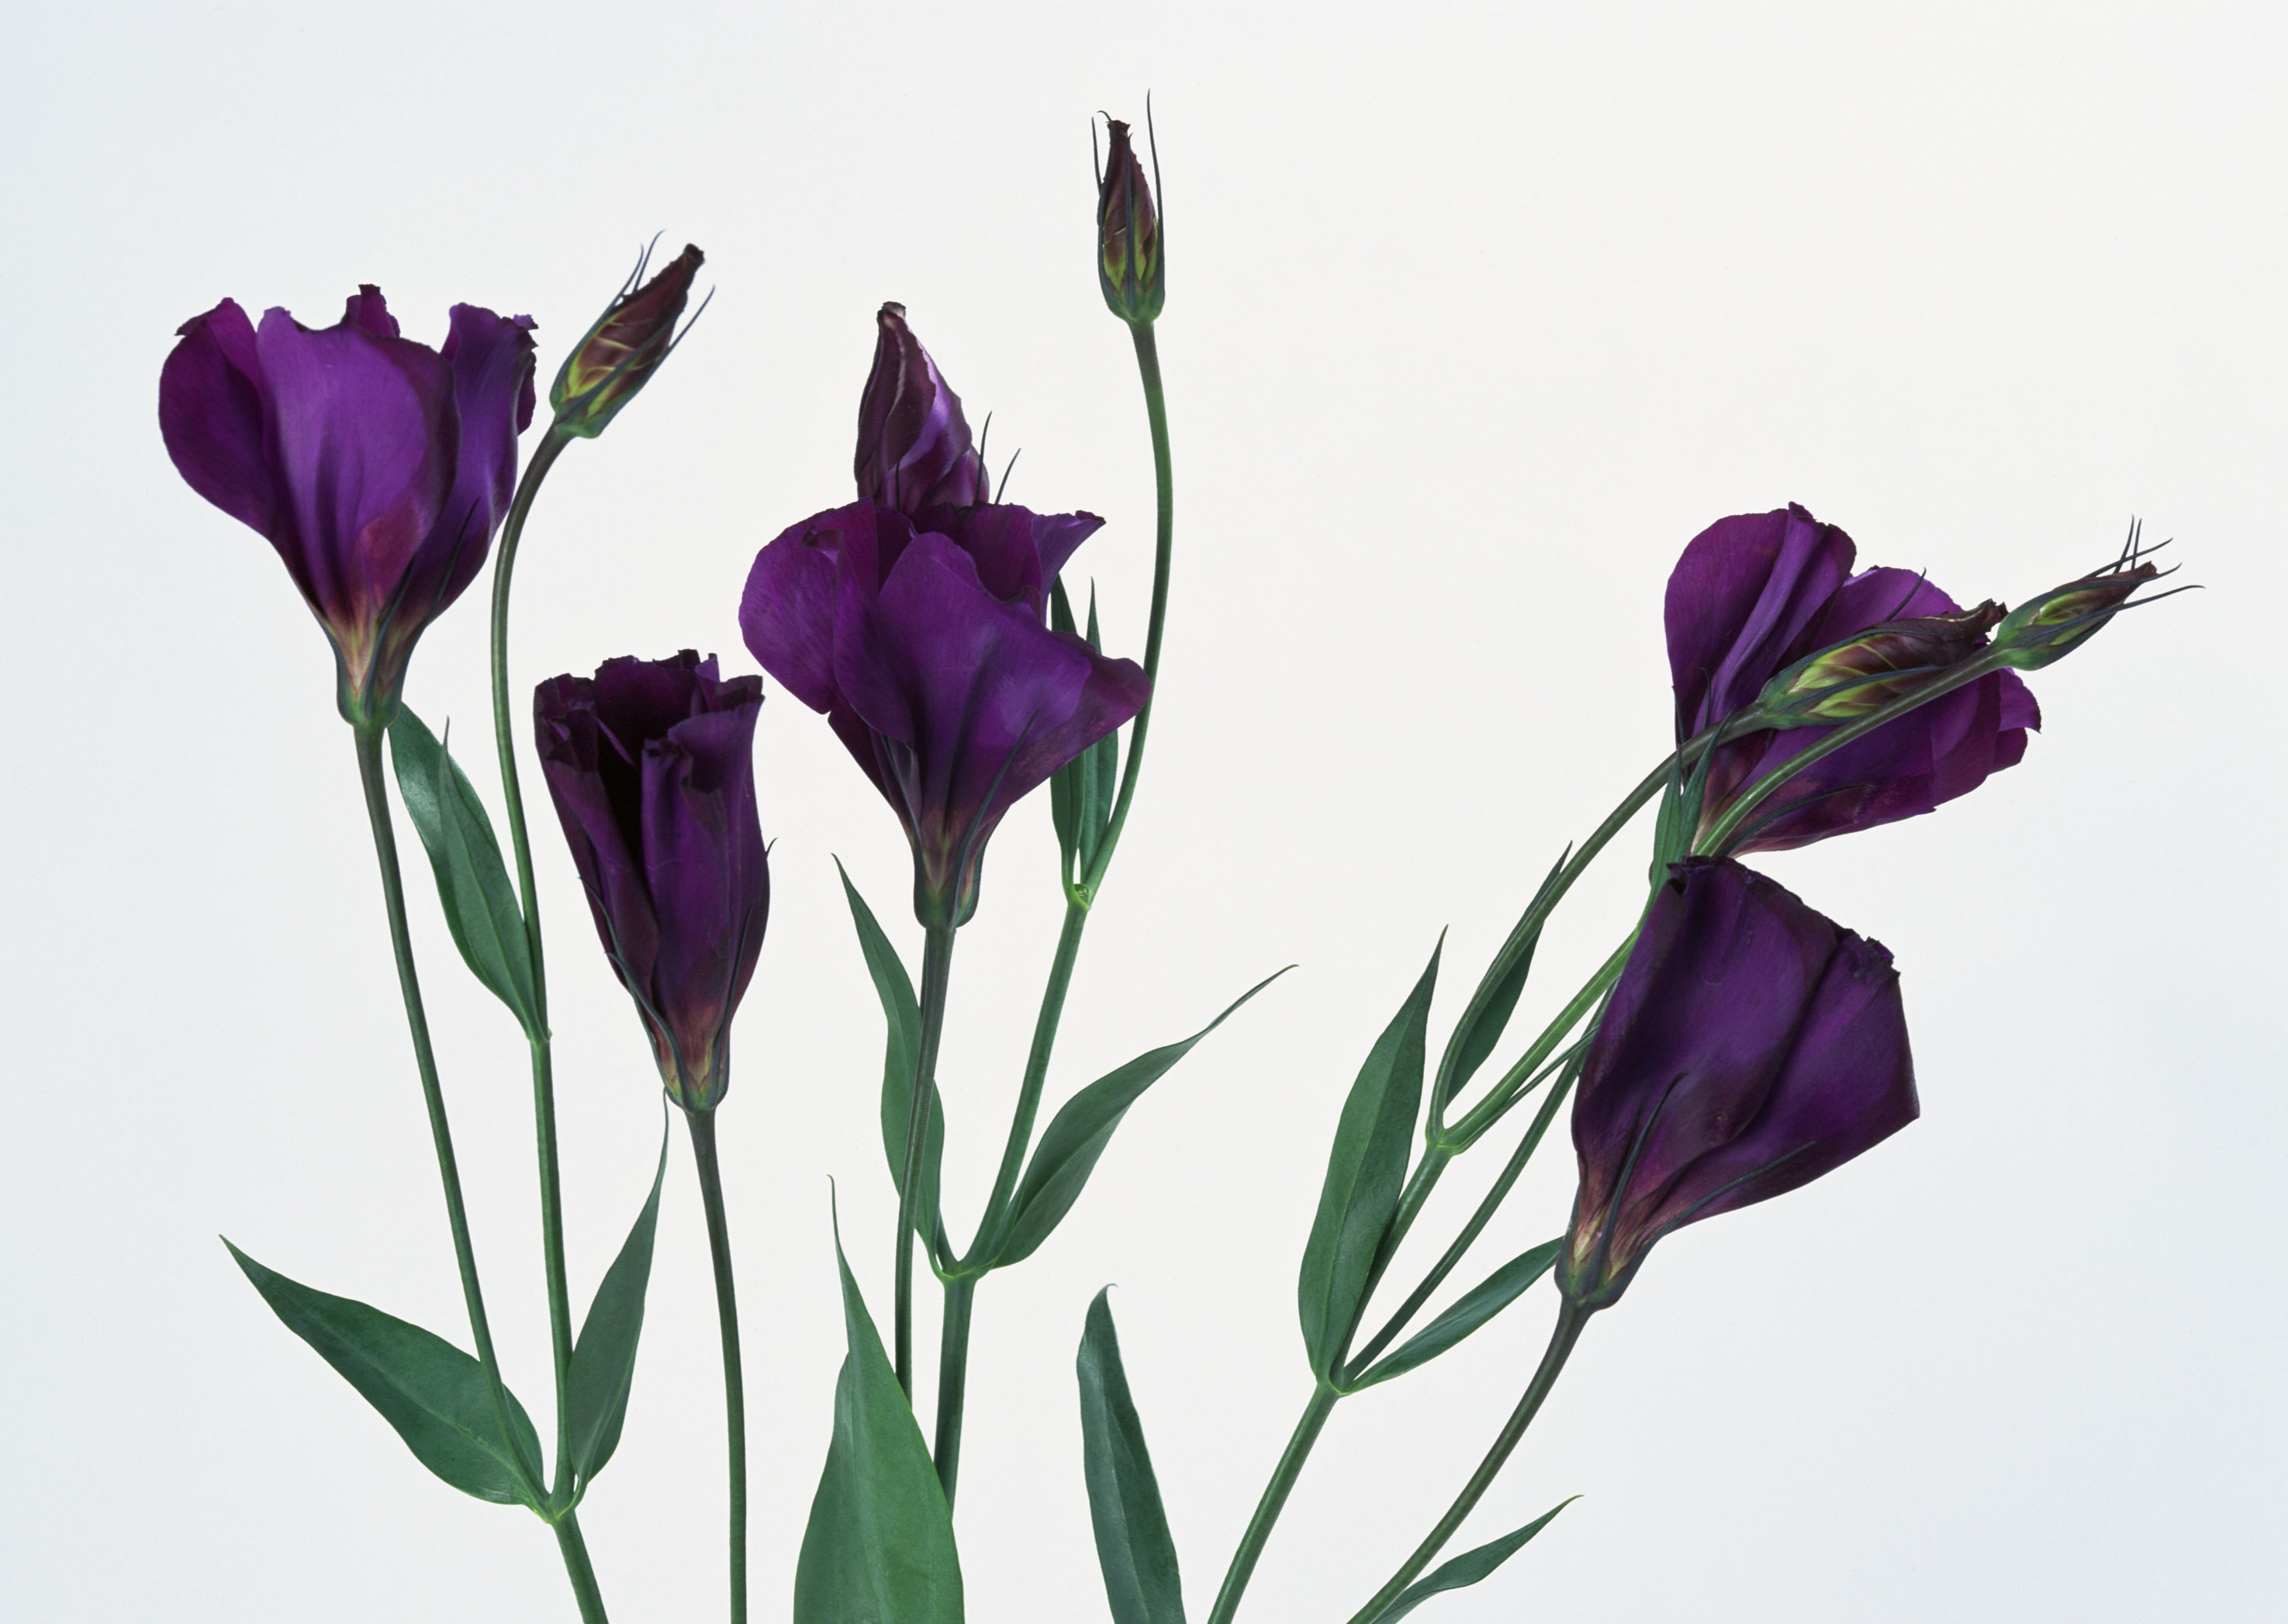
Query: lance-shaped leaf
[
  {"x": 604, "y": 1358},
  {"x": 1081, "y": 791},
  {"x": 1365, "y": 1172},
  {"x": 901, "y": 1014},
  {"x": 433, "y": 1394},
  {"x": 1133, "y": 1546},
  {"x": 1491, "y": 1005},
  {"x": 1487, "y": 1298},
  {"x": 879, "y": 1546},
  {"x": 1077, "y": 1135},
  {"x": 472, "y": 882},
  {"x": 1468, "y": 1568}
]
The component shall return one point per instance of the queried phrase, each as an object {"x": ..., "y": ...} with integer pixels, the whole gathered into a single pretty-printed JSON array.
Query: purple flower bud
[
  {"x": 651, "y": 766},
  {"x": 378, "y": 467},
  {"x": 1128, "y": 264},
  {"x": 913, "y": 443},
  {"x": 924, "y": 642},
  {"x": 1754, "y": 595},
  {"x": 624, "y": 348},
  {"x": 1886, "y": 661},
  {"x": 2039, "y": 632},
  {"x": 1750, "y": 1046}
]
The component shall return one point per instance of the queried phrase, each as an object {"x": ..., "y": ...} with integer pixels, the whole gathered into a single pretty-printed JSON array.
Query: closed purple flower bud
[
  {"x": 624, "y": 348},
  {"x": 378, "y": 467},
  {"x": 651, "y": 766},
  {"x": 1751, "y": 1045},
  {"x": 2037, "y": 633},
  {"x": 914, "y": 451},
  {"x": 924, "y": 642},
  {"x": 1755, "y": 594},
  {"x": 1886, "y": 661},
  {"x": 1128, "y": 263}
]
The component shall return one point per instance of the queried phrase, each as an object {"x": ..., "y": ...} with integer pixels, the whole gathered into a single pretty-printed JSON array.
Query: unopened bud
[
  {"x": 624, "y": 347},
  {"x": 1862, "y": 674},
  {"x": 1128, "y": 262},
  {"x": 2044, "y": 629}
]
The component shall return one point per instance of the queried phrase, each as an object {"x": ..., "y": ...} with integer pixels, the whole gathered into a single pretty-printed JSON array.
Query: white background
[{"x": 1476, "y": 314}]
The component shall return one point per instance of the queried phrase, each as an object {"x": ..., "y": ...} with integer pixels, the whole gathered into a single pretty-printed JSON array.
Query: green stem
[
  {"x": 1274, "y": 1500},
  {"x": 952, "y": 1380},
  {"x": 583, "y": 1572},
  {"x": 989, "y": 1235},
  {"x": 1507, "y": 1091},
  {"x": 1156, "y": 407},
  {"x": 937, "y": 965},
  {"x": 400, "y": 941},
  {"x": 1569, "y": 1322},
  {"x": 702, "y": 1124}
]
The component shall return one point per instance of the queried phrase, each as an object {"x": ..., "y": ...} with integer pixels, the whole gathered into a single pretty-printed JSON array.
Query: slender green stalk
[
  {"x": 1568, "y": 1332},
  {"x": 937, "y": 965},
  {"x": 702, "y": 1124},
  {"x": 990, "y": 1233},
  {"x": 583, "y": 1571},
  {"x": 1274, "y": 1500},
  {"x": 952, "y": 1380},
  {"x": 400, "y": 941}
]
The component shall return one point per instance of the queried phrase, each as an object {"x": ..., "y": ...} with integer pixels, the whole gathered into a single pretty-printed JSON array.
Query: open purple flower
[
  {"x": 1754, "y": 594},
  {"x": 1750, "y": 1046},
  {"x": 924, "y": 642},
  {"x": 651, "y": 766},
  {"x": 378, "y": 467},
  {"x": 914, "y": 450}
]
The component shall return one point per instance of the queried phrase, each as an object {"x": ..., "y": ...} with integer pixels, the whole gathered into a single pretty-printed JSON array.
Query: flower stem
[
  {"x": 702, "y": 1124},
  {"x": 1568, "y": 1331},
  {"x": 937, "y": 965},
  {"x": 393, "y": 890},
  {"x": 575, "y": 1547},
  {"x": 1273, "y": 1501},
  {"x": 953, "y": 1380}
]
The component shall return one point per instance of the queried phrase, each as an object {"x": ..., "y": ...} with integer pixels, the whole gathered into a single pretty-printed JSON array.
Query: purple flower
[
  {"x": 651, "y": 766},
  {"x": 378, "y": 467},
  {"x": 924, "y": 642},
  {"x": 1754, "y": 594},
  {"x": 914, "y": 451},
  {"x": 1751, "y": 1045}
]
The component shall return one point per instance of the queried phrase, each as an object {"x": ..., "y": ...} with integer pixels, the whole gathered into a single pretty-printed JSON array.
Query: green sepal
[
  {"x": 1077, "y": 1136},
  {"x": 1487, "y": 1298},
  {"x": 1365, "y": 1169},
  {"x": 1133, "y": 1544},
  {"x": 433, "y": 1394},
  {"x": 902, "y": 1015},
  {"x": 1491, "y": 1006},
  {"x": 880, "y": 1546},
  {"x": 604, "y": 1358},
  {"x": 1468, "y": 1568},
  {"x": 472, "y": 882},
  {"x": 1081, "y": 792}
]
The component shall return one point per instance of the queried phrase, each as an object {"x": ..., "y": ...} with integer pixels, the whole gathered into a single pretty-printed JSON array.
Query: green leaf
[
  {"x": 1077, "y": 1135},
  {"x": 1133, "y": 1545},
  {"x": 1365, "y": 1172},
  {"x": 1496, "y": 1293},
  {"x": 880, "y": 1547},
  {"x": 433, "y": 1394},
  {"x": 1064, "y": 783},
  {"x": 1678, "y": 822},
  {"x": 1468, "y": 1568},
  {"x": 901, "y": 1014},
  {"x": 479, "y": 898},
  {"x": 1491, "y": 1005},
  {"x": 1099, "y": 769},
  {"x": 604, "y": 1358}
]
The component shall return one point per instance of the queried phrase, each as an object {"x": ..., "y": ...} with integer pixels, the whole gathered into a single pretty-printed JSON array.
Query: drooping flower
[
  {"x": 651, "y": 766},
  {"x": 1751, "y": 1045},
  {"x": 924, "y": 642},
  {"x": 1128, "y": 264},
  {"x": 624, "y": 347},
  {"x": 1757, "y": 593},
  {"x": 914, "y": 450},
  {"x": 378, "y": 467}
]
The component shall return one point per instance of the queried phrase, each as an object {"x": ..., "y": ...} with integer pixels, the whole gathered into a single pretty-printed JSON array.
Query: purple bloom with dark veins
[
  {"x": 914, "y": 451},
  {"x": 1750, "y": 1046},
  {"x": 651, "y": 766},
  {"x": 1754, "y": 594},
  {"x": 378, "y": 467}
]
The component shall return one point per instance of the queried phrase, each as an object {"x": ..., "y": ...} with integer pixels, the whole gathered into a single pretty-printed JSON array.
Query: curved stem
[
  {"x": 400, "y": 941},
  {"x": 937, "y": 965},
  {"x": 1568, "y": 1331},
  {"x": 702, "y": 1124},
  {"x": 583, "y": 1571},
  {"x": 1273, "y": 1501},
  {"x": 952, "y": 1380}
]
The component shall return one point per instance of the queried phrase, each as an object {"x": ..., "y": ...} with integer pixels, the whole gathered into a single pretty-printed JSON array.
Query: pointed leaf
[
  {"x": 1492, "y": 1294},
  {"x": 1099, "y": 766},
  {"x": 1064, "y": 783},
  {"x": 604, "y": 1358},
  {"x": 880, "y": 1547},
  {"x": 433, "y": 1394},
  {"x": 1365, "y": 1169},
  {"x": 1468, "y": 1568},
  {"x": 1133, "y": 1544},
  {"x": 1491, "y": 1006},
  {"x": 1077, "y": 1135},
  {"x": 472, "y": 882},
  {"x": 901, "y": 1014}
]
